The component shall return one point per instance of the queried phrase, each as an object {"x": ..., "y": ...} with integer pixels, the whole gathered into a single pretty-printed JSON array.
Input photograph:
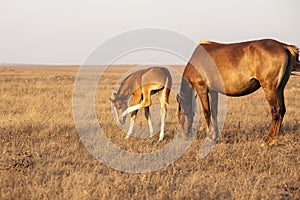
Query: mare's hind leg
[
  {"x": 277, "y": 106},
  {"x": 148, "y": 117}
]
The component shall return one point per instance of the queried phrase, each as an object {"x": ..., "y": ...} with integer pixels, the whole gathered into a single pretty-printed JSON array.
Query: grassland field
[{"x": 42, "y": 157}]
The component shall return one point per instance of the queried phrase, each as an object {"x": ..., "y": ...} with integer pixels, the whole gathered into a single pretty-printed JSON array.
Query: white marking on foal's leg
[
  {"x": 150, "y": 126},
  {"x": 116, "y": 113},
  {"x": 130, "y": 130},
  {"x": 130, "y": 109},
  {"x": 148, "y": 116},
  {"x": 162, "y": 126}
]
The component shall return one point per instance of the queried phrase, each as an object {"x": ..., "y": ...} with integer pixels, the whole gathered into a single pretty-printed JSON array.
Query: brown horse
[
  {"x": 236, "y": 69},
  {"x": 142, "y": 84}
]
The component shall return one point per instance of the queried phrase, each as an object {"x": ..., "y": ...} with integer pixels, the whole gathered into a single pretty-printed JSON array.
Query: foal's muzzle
[{"x": 120, "y": 120}]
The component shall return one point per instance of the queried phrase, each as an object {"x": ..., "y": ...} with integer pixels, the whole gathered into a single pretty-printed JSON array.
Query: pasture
[{"x": 42, "y": 157}]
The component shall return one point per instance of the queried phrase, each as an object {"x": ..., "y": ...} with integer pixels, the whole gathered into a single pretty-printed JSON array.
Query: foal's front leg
[
  {"x": 145, "y": 102},
  {"x": 131, "y": 125},
  {"x": 148, "y": 117},
  {"x": 136, "y": 99}
]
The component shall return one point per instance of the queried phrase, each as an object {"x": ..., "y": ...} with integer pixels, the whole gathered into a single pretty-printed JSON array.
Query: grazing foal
[
  {"x": 142, "y": 84},
  {"x": 236, "y": 69}
]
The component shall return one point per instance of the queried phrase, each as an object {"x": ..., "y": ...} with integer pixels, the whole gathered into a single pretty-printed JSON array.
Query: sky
[{"x": 67, "y": 31}]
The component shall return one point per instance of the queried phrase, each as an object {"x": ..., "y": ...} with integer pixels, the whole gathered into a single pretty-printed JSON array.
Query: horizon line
[{"x": 73, "y": 64}]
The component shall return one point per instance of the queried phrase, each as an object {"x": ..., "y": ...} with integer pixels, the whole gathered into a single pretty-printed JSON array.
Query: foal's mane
[{"x": 125, "y": 86}]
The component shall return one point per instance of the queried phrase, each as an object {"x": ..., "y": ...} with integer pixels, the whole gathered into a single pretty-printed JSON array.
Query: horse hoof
[
  {"x": 273, "y": 142},
  {"x": 127, "y": 137},
  {"x": 264, "y": 144},
  {"x": 122, "y": 121},
  {"x": 161, "y": 138},
  {"x": 269, "y": 143}
]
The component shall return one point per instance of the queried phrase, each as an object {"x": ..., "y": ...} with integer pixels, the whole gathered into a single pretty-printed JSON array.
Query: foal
[{"x": 142, "y": 84}]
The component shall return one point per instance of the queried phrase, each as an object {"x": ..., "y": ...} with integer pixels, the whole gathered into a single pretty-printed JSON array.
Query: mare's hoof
[
  {"x": 273, "y": 143},
  {"x": 269, "y": 143},
  {"x": 264, "y": 144}
]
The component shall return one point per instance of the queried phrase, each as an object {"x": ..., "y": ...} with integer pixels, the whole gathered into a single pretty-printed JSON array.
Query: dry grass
[{"x": 43, "y": 158}]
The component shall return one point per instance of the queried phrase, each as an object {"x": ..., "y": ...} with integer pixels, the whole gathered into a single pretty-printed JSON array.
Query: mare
[{"x": 236, "y": 69}]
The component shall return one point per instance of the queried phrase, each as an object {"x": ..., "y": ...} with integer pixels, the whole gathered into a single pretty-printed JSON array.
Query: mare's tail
[{"x": 294, "y": 51}]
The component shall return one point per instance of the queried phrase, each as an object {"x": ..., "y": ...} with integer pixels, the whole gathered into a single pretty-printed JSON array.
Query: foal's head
[{"x": 120, "y": 105}]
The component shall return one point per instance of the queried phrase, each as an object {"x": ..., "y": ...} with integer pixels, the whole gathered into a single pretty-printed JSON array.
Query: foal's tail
[{"x": 294, "y": 51}]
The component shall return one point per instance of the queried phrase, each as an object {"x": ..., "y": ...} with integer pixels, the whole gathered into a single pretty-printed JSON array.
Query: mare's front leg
[
  {"x": 202, "y": 92},
  {"x": 214, "y": 129}
]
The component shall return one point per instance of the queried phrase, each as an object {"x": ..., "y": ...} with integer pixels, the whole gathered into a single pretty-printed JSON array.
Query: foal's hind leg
[
  {"x": 277, "y": 105},
  {"x": 164, "y": 99}
]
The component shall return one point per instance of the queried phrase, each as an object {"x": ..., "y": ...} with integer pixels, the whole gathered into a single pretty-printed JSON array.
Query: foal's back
[{"x": 155, "y": 77}]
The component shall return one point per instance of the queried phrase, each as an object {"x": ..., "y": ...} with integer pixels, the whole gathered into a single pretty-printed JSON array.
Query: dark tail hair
[
  {"x": 294, "y": 51},
  {"x": 296, "y": 67}
]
